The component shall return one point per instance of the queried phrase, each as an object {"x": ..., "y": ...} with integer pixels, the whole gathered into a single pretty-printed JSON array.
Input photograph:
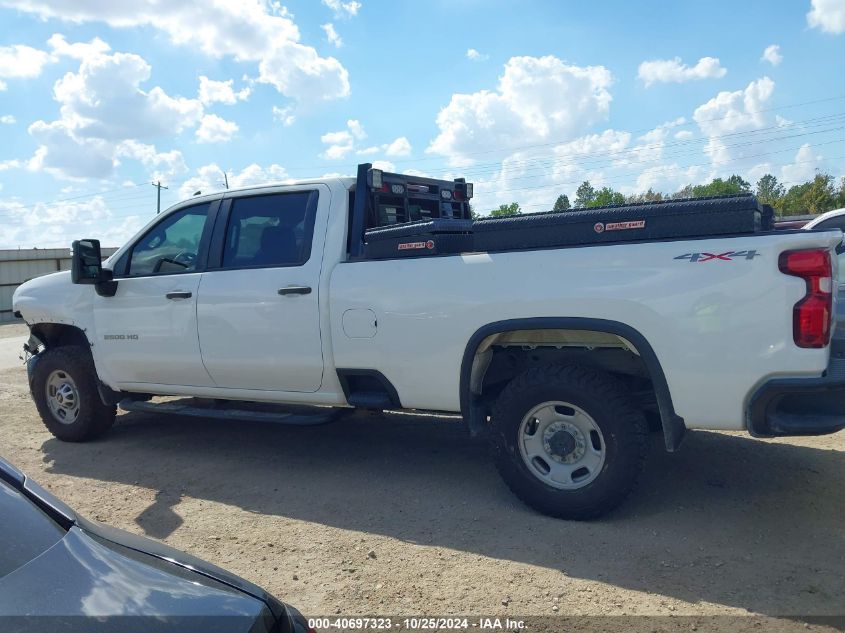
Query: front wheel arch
[{"x": 59, "y": 335}]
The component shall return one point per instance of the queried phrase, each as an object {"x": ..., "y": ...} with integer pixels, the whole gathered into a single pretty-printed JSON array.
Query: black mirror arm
[{"x": 106, "y": 286}]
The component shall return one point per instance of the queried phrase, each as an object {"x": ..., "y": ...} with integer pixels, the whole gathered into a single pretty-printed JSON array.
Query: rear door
[
  {"x": 258, "y": 306},
  {"x": 147, "y": 332}
]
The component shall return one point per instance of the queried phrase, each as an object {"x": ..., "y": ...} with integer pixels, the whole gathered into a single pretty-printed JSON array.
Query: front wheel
[
  {"x": 568, "y": 441},
  {"x": 63, "y": 383}
]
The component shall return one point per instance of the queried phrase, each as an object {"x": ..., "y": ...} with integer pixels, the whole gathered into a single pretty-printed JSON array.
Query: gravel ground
[
  {"x": 401, "y": 514},
  {"x": 10, "y": 330}
]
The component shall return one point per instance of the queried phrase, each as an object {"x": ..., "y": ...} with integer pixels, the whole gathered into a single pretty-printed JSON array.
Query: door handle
[
  {"x": 295, "y": 290},
  {"x": 178, "y": 294}
]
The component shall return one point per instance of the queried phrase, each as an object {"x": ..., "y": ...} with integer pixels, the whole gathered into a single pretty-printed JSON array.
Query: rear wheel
[
  {"x": 568, "y": 441},
  {"x": 64, "y": 386}
]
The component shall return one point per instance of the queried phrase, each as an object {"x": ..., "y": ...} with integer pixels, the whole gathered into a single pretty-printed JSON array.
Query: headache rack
[
  {"x": 397, "y": 216},
  {"x": 384, "y": 199}
]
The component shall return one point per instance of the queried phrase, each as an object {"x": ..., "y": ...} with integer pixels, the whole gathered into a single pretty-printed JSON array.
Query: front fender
[{"x": 55, "y": 299}]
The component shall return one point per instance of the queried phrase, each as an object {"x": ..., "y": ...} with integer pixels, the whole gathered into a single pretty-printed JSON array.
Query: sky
[{"x": 99, "y": 99}]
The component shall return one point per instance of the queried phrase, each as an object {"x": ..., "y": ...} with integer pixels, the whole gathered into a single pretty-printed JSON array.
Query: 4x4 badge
[{"x": 727, "y": 256}]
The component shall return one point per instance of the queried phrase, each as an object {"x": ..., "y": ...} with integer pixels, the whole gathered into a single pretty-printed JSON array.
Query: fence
[{"x": 18, "y": 266}]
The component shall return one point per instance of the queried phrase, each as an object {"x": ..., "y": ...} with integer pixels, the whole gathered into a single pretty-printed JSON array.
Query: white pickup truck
[{"x": 562, "y": 349}]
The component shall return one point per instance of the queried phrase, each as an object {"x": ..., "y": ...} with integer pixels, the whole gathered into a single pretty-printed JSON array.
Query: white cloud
[
  {"x": 538, "y": 99},
  {"x": 356, "y": 129},
  {"x": 400, "y": 147},
  {"x": 22, "y": 62},
  {"x": 102, "y": 105},
  {"x": 51, "y": 225},
  {"x": 298, "y": 72},
  {"x": 673, "y": 70},
  {"x": 162, "y": 165},
  {"x": 285, "y": 115},
  {"x": 772, "y": 55},
  {"x": 343, "y": 9},
  {"x": 8, "y": 119},
  {"x": 215, "y": 129},
  {"x": 732, "y": 112},
  {"x": 211, "y": 91},
  {"x": 331, "y": 35},
  {"x": 384, "y": 165},
  {"x": 209, "y": 178},
  {"x": 827, "y": 15},
  {"x": 78, "y": 50},
  {"x": 782, "y": 121},
  {"x": 105, "y": 100},
  {"x": 342, "y": 142},
  {"x": 64, "y": 154},
  {"x": 247, "y": 31},
  {"x": 25, "y": 62},
  {"x": 683, "y": 135},
  {"x": 339, "y": 145},
  {"x": 803, "y": 168},
  {"x": 475, "y": 56}
]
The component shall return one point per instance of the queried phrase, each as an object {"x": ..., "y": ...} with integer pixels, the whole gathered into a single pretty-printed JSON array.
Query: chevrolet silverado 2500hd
[{"x": 562, "y": 337}]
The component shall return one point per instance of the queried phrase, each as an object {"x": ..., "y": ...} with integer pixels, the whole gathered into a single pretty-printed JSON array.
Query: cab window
[
  {"x": 270, "y": 230},
  {"x": 172, "y": 245}
]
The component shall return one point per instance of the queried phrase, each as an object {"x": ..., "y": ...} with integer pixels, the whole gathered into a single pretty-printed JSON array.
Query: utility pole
[{"x": 159, "y": 187}]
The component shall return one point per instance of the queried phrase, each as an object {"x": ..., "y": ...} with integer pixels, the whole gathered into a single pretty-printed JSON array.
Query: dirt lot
[{"x": 403, "y": 515}]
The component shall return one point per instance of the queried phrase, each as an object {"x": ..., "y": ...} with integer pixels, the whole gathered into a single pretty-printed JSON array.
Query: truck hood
[{"x": 52, "y": 298}]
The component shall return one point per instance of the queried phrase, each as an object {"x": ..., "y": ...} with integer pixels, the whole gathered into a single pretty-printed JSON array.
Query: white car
[{"x": 560, "y": 336}]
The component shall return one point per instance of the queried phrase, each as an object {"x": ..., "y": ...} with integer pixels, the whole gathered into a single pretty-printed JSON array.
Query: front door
[
  {"x": 147, "y": 332},
  {"x": 258, "y": 310}
]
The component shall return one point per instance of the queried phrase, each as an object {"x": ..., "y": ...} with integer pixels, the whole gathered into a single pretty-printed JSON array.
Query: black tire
[
  {"x": 605, "y": 400},
  {"x": 94, "y": 417}
]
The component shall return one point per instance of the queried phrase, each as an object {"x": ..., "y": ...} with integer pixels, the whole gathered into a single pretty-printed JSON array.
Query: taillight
[{"x": 811, "y": 316}]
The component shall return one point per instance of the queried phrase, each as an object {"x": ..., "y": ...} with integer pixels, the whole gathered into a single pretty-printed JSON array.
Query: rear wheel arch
[{"x": 472, "y": 404}]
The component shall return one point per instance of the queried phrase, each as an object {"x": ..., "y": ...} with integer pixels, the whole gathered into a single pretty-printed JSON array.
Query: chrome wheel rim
[
  {"x": 562, "y": 445},
  {"x": 62, "y": 397}
]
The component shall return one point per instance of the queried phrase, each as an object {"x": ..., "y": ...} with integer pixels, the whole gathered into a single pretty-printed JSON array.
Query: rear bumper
[{"x": 801, "y": 406}]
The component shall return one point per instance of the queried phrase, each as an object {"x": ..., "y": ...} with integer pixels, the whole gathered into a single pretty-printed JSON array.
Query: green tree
[
  {"x": 840, "y": 195},
  {"x": 719, "y": 187},
  {"x": 648, "y": 196},
  {"x": 792, "y": 202},
  {"x": 821, "y": 195},
  {"x": 562, "y": 203},
  {"x": 506, "y": 210},
  {"x": 584, "y": 195},
  {"x": 685, "y": 192},
  {"x": 814, "y": 196},
  {"x": 606, "y": 196},
  {"x": 770, "y": 191}
]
